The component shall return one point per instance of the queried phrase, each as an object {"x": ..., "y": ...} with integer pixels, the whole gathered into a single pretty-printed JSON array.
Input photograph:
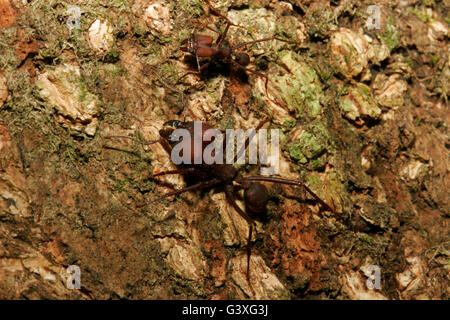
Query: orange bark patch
[
  {"x": 396, "y": 194},
  {"x": 5, "y": 139},
  {"x": 69, "y": 192},
  {"x": 240, "y": 93},
  {"x": 219, "y": 262},
  {"x": 7, "y": 14},
  {"x": 25, "y": 46},
  {"x": 56, "y": 249},
  {"x": 303, "y": 255},
  {"x": 66, "y": 190}
]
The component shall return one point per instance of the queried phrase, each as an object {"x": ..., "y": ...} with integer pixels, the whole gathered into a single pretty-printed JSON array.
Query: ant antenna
[
  {"x": 134, "y": 139},
  {"x": 183, "y": 99},
  {"x": 219, "y": 14},
  {"x": 171, "y": 88},
  {"x": 248, "y": 43},
  {"x": 290, "y": 182}
]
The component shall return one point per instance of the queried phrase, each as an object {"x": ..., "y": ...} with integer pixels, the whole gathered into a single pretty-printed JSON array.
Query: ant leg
[
  {"x": 163, "y": 142},
  {"x": 259, "y": 74},
  {"x": 223, "y": 34},
  {"x": 232, "y": 200},
  {"x": 194, "y": 72},
  {"x": 229, "y": 23},
  {"x": 183, "y": 99},
  {"x": 290, "y": 182},
  {"x": 234, "y": 48},
  {"x": 178, "y": 171},
  {"x": 198, "y": 186},
  {"x": 244, "y": 44},
  {"x": 134, "y": 139},
  {"x": 199, "y": 173},
  {"x": 218, "y": 13},
  {"x": 249, "y": 138},
  {"x": 198, "y": 63},
  {"x": 211, "y": 29},
  {"x": 249, "y": 250},
  {"x": 186, "y": 74}
]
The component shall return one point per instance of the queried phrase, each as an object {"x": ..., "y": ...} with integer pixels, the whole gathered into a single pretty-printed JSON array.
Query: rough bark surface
[{"x": 364, "y": 112}]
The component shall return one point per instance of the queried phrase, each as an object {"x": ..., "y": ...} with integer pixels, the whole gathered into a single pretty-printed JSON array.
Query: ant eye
[{"x": 173, "y": 123}]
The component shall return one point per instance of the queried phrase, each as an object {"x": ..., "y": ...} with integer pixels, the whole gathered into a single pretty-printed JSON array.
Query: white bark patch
[
  {"x": 157, "y": 17},
  {"x": 389, "y": 91},
  {"x": 365, "y": 163},
  {"x": 204, "y": 105},
  {"x": 355, "y": 287},
  {"x": 350, "y": 51},
  {"x": 237, "y": 228},
  {"x": 279, "y": 113},
  {"x": 64, "y": 90},
  {"x": 437, "y": 31},
  {"x": 261, "y": 23},
  {"x": 13, "y": 201},
  {"x": 36, "y": 263},
  {"x": 413, "y": 169},
  {"x": 263, "y": 283},
  {"x": 185, "y": 259},
  {"x": 3, "y": 90},
  {"x": 359, "y": 104},
  {"x": 378, "y": 51},
  {"x": 411, "y": 281},
  {"x": 101, "y": 37}
]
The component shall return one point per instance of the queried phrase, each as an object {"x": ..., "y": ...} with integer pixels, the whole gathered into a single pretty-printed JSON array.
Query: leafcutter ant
[
  {"x": 221, "y": 174},
  {"x": 204, "y": 46}
]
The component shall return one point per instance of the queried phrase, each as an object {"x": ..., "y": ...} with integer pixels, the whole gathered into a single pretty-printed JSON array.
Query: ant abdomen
[
  {"x": 256, "y": 198},
  {"x": 242, "y": 58}
]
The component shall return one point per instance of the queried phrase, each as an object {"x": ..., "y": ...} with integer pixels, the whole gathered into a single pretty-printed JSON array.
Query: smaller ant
[
  {"x": 203, "y": 46},
  {"x": 223, "y": 175}
]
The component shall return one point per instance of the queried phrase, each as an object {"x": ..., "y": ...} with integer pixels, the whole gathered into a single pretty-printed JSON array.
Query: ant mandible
[{"x": 226, "y": 175}]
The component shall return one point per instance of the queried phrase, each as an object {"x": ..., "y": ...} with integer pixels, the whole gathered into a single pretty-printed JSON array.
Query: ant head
[
  {"x": 187, "y": 45},
  {"x": 173, "y": 123},
  {"x": 242, "y": 58},
  {"x": 191, "y": 135},
  {"x": 256, "y": 198},
  {"x": 168, "y": 128}
]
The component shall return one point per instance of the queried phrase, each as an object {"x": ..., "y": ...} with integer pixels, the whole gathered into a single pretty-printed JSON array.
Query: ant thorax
[{"x": 225, "y": 51}]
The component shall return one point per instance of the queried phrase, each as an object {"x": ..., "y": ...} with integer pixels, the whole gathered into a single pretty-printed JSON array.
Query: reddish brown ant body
[
  {"x": 203, "y": 46},
  {"x": 225, "y": 175}
]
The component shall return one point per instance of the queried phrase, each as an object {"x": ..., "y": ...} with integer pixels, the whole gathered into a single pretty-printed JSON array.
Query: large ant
[{"x": 225, "y": 175}]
